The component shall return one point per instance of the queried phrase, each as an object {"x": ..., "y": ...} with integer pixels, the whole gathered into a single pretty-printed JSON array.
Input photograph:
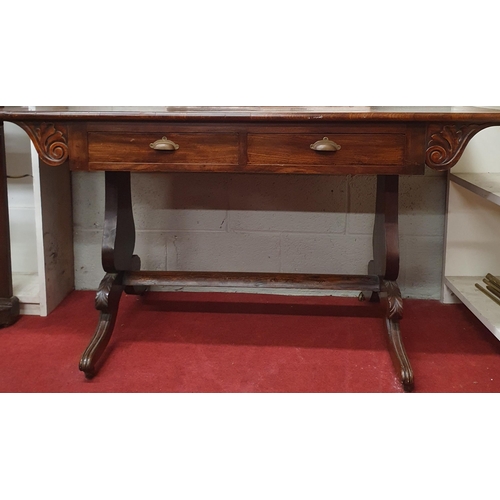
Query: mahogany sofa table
[{"x": 381, "y": 141}]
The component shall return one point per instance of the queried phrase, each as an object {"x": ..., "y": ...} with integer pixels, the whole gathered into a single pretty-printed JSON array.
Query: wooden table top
[{"x": 253, "y": 113}]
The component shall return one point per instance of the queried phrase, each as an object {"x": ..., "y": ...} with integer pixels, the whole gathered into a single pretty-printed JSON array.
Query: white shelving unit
[
  {"x": 40, "y": 218},
  {"x": 22, "y": 219},
  {"x": 472, "y": 244}
]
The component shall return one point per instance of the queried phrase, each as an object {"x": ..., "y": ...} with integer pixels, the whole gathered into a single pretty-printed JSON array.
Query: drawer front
[
  {"x": 249, "y": 148},
  {"x": 116, "y": 150},
  {"x": 356, "y": 149}
]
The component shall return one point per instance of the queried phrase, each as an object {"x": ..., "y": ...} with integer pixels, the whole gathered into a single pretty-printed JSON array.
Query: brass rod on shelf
[
  {"x": 488, "y": 294},
  {"x": 492, "y": 287},
  {"x": 493, "y": 279},
  {"x": 493, "y": 290}
]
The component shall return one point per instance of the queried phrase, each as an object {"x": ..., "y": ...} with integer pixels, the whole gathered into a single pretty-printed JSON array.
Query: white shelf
[
  {"x": 472, "y": 235},
  {"x": 486, "y": 185},
  {"x": 26, "y": 287},
  {"x": 485, "y": 309}
]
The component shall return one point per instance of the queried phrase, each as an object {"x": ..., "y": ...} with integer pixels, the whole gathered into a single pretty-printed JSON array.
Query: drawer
[
  {"x": 110, "y": 150},
  {"x": 356, "y": 149}
]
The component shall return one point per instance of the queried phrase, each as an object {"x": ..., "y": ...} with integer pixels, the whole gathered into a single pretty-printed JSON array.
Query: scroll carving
[
  {"x": 394, "y": 300},
  {"x": 102, "y": 295},
  {"x": 50, "y": 141},
  {"x": 446, "y": 143}
]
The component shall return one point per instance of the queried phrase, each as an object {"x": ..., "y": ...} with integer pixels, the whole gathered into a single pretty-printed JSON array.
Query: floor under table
[{"x": 222, "y": 342}]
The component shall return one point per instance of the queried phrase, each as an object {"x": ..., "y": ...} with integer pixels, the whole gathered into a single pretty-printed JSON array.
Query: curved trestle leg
[
  {"x": 117, "y": 258},
  {"x": 385, "y": 264},
  {"x": 106, "y": 301}
]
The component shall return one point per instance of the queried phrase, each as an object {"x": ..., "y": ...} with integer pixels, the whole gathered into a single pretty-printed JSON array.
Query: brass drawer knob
[
  {"x": 164, "y": 144},
  {"x": 325, "y": 145}
]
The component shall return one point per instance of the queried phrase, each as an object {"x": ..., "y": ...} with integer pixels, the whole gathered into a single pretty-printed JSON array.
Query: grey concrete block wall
[{"x": 267, "y": 223}]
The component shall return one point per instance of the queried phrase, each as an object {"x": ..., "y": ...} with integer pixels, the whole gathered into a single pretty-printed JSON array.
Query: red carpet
[{"x": 193, "y": 342}]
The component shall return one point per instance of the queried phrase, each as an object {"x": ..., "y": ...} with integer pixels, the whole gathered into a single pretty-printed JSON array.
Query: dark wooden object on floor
[
  {"x": 9, "y": 305},
  {"x": 386, "y": 142}
]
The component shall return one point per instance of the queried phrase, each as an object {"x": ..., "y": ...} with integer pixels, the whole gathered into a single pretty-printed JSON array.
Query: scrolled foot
[
  {"x": 97, "y": 345},
  {"x": 369, "y": 296},
  {"x": 136, "y": 290},
  {"x": 391, "y": 296},
  {"x": 107, "y": 301},
  {"x": 399, "y": 357}
]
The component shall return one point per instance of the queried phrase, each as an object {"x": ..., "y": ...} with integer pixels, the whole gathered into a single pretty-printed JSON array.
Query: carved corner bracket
[
  {"x": 446, "y": 143},
  {"x": 50, "y": 141}
]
